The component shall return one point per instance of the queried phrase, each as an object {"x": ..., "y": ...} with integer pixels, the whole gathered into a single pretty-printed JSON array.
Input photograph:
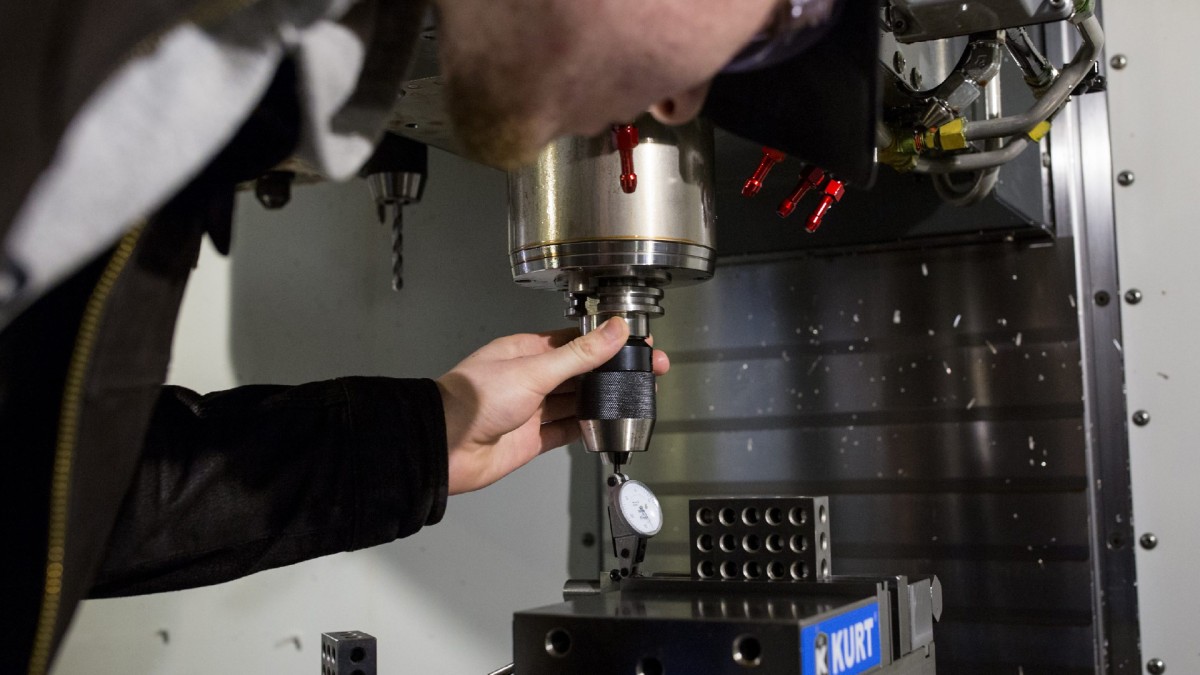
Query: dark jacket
[{"x": 115, "y": 484}]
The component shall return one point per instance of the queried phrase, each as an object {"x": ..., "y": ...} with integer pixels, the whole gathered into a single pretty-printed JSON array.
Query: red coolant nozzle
[
  {"x": 834, "y": 190},
  {"x": 770, "y": 158},
  {"x": 626, "y": 139},
  {"x": 810, "y": 179}
]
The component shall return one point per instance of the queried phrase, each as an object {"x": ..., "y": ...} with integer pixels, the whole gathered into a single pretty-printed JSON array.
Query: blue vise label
[{"x": 846, "y": 644}]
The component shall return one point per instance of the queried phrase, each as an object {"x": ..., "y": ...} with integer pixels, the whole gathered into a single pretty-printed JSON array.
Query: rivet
[
  {"x": 1148, "y": 541},
  {"x": 1133, "y": 296},
  {"x": 898, "y": 62},
  {"x": 1156, "y": 667},
  {"x": 1119, "y": 61},
  {"x": 1141, "y": 418},
  {"x": 1125, "y": 178}
]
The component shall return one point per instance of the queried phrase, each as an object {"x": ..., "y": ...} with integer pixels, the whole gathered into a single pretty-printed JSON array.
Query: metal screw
[
  {"x": 1133, "y": 296},
  {"x": 1141, "y": 418},
  {"x": 1149, "y": 541},
  {"x": 1118, "y": 62},
  {"x": 915, "y": 78},
  {"x": 898, "y": 62},
  {"x": 1156, "y": 667},
  {"x": 1126, "y": 178},
  {"x": 274, "y": 189},
  {"x": 1102, "y": 298}
]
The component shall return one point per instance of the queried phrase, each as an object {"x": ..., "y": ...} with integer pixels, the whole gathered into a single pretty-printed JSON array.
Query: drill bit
[{"x": 393, "y": 213}]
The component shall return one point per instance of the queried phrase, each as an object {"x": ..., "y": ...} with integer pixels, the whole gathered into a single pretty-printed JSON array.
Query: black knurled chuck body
[{"x": 622, "y": 388}]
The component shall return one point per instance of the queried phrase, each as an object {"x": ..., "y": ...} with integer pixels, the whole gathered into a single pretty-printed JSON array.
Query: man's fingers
[
  {"x": 559, "y": 433},
  {"x": 529, "y": 344},
  {"x": 557, "y": 407},
  {"x": 547, "y": 371},
  {"x": 660, "y": 363}
]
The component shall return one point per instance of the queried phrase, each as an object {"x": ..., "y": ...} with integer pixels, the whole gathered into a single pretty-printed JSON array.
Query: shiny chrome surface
[
  {"x": 1084, "y": 197},
  {"x": 934, "y": 395},
  {"x": 617, "y": 436},
  {"x": 550, "y": 266},
  {"x": 567, "y": 211}
]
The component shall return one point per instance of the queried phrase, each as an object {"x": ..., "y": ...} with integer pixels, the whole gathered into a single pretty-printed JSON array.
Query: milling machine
[{"x": 615, "y": 220}]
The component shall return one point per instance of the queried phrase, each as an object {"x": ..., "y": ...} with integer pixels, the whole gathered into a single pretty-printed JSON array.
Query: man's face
[{"x": 523, "y": 72}]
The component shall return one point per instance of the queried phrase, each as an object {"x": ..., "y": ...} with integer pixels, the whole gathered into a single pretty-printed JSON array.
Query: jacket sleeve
[{"x": 263, "y": 476}]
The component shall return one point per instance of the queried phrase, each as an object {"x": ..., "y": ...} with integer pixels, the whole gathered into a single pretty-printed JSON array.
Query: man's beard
[{"x": 489, "y": 127}]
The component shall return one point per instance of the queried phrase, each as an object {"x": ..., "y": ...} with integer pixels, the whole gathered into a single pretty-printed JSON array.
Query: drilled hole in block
[
  {"x": 747, "y": 651},
  {"x": 775, "y": 543},
  {"x": 799, "y": 570},
  {"x": 798, "y": 543},
  {"x": 728, "y": 543},
  {"x": 797, "y": 516},
  {"x": 728, "y": 516},
  {"x": 705, "y": 516},
  {"x": 776, "y": 570},
  {"x": 729, "y": 569},
  {"x": 774, "y": 515},
  {"x": 752, "y": 570},
  {"x": 750, "y": 515},
  {"x": 751, "y": 543},
  {"x": 704, "y": 543},
  {"x": 558, "y": 642}
]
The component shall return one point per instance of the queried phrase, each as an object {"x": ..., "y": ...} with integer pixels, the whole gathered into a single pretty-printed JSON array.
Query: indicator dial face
[{"x": 640, "y": 508}]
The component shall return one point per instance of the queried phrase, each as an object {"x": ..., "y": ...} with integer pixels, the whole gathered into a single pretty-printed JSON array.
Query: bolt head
[
  {"x": 1133, "y": 296},
  {"x": 899, "y": 62},
  {"x": 1126, "y": 178},
  {"x": 1156, "y": 667},
  {"x": 1118, "y": 62},
  {"x": 1102, "y": 298},
  {"x": 915, "y": 78},
  {"x": 1148, "y": 541},
  {"x": 1141, "y": 418}
]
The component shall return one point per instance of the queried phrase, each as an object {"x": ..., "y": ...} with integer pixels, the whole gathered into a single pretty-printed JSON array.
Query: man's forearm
[{"x": 263, "y": 476}]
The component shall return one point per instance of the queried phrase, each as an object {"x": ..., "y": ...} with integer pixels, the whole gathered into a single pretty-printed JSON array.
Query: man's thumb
[{"x": 584, "y": 353}]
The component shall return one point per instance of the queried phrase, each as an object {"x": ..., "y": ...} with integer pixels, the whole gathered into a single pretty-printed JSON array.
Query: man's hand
[{"x": 515, "y": 399}]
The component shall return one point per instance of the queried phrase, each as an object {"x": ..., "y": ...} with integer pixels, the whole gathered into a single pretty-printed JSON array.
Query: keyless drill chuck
[{"x": 616, "y": 404}]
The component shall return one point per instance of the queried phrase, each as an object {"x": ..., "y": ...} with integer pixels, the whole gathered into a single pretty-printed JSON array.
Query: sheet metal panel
[
  {"x": 1152, "y": 108},
  {"x": 935, "y": 395}
]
